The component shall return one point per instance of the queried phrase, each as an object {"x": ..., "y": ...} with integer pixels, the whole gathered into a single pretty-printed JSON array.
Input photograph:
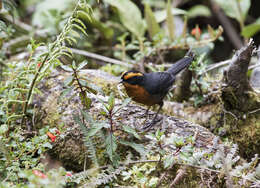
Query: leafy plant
[{"x": 104, "y": 131}]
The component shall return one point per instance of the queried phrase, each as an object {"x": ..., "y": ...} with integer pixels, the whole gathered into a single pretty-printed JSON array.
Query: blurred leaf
[
  {"x": 82, "y": 64},
  {"x": 199, "y": 10},
  {"x": 251, "y": 29},
  {"x": 105, "y": 30},
  {"x": 131, "y": 131},
  {"x": 138, "y": 147},
  {"x": 94, "y": 129},
  {"x": 125, "y": 103},
  {"x": 48, "y": 13},
  {"x": 3, "y": 128},
  {"x": 111, "y": 146},
  {"x": 231, "y": 9},
  {"x": 93, "y": 88},
  {"x": 68, "y": 81},
  {"x": 130, "y": 16},
  {"x": 83, "y": 127},
  {"x": 168, "y": 161},
  {"x": 170, "y": 21},
  {"x": 66, "y": 68},
  {"x": 162, "y": 14},
  {"x": 87, "y": 116},
  {"x": 47, "y": 145},
  {"x": 111, "y": 101},
  {"x": 152, "y": 25},
  {"x": 3, "y": 26}
]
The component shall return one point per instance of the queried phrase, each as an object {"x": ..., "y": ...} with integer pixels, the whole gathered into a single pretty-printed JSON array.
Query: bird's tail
[{"x": 182, "y": 63}]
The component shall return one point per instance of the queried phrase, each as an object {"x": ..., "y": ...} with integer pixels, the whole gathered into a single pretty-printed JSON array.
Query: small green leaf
[
  {"x": 93, "y": 88},
  {"x": 94, "y": 129},
  {"x": 47, "y": 145},
  {"x": 81, "y": 65},
  {"x": 79, "y": 22},
  {"x": 3, "y": 128},
  {"x": 68, "y": 81},
  {"x": 83, "y": 82},
  {"x": 87, "y": 116},
  {"x": 111, "y": 101},
  {"x": 168, "y": 161},
  {"x": 111, "y": 146},
  {"x": 66, "y": 68},
  {"x": 251, "y": 29},
  {"x": 80, "y": 28},
  {"x": 83, "y": 14},
  {"x": 83, "y": 127},
  {"x": 103, "y": 113},
  {"x": 158, "y": 134},
  {"x": 131, "y": 131},
  {"x": 125, "y": 103},
  {"x": 138, "y": 147},
  {"x": 199, "y": 10},
  {"x": 179, "y": 142}
]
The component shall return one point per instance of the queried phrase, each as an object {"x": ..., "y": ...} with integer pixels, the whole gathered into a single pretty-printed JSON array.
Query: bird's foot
[{"x": 151, "y": 124}]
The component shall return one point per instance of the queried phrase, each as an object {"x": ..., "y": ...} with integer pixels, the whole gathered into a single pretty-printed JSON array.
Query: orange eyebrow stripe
[{"x": 132, "y": 74}]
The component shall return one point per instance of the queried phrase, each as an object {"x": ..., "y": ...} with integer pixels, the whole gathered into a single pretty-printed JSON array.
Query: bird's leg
[
  {"x": 146, "y": 113},
  {"x": 148, "y": 126},
  {"x": 147, "y": 110}
]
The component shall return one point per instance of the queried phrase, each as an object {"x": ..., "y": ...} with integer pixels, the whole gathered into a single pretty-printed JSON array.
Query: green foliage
[
  {"x": 50, "y": 14},
  {"x": 199, "y": 83},
  {"x": 152, "y": 25},
  {"x": 18, "y": 153},
  {"x": 251, "y": 29},
  {"x": 113, "y": 69},
  {"x": 130, "y": 16},
  {"x": 21, "y": 151},
  {"x": 75, "y": 81},
  {"x": 236, "y": 9},
  {"x": 198, "y": 10},
  {"x": 106, "y": 129},
  {"x": 170, "y": 21}
]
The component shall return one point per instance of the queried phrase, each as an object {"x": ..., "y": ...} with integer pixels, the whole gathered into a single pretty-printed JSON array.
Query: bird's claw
[{"x": 151, "y": 124}]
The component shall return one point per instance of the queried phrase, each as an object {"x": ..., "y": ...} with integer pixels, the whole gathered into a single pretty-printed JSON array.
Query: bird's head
[{"x": 132, "y": 77}]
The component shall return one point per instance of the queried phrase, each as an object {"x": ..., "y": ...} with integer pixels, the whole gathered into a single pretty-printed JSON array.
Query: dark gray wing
[{"x": 158, "y": 82}]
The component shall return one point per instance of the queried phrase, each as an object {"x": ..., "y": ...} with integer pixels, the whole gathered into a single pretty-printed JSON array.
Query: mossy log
[{"x": 69, "y": 149}]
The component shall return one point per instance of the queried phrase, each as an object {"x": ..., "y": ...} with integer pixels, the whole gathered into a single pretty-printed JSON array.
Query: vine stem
[{"x": 31, "y": 88}]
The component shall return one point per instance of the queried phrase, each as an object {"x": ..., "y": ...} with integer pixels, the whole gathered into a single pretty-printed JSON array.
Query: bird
[{"x": 151, "y": 88}]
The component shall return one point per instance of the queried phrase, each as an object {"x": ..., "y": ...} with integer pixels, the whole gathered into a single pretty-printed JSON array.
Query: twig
[
  {"x": 254, "y": 111},
  {"x": 100, "y": 57},
  {"x": 161, "y": 179},
  {"x": 31, "y": 88},
  {"x": 180, "y": 174},
  {"x": 216, "y": 65},
  {"x": 25, "y": 27}
]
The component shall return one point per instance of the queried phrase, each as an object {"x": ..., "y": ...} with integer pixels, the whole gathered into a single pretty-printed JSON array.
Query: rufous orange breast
[{"x": 139, "y": 94}]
